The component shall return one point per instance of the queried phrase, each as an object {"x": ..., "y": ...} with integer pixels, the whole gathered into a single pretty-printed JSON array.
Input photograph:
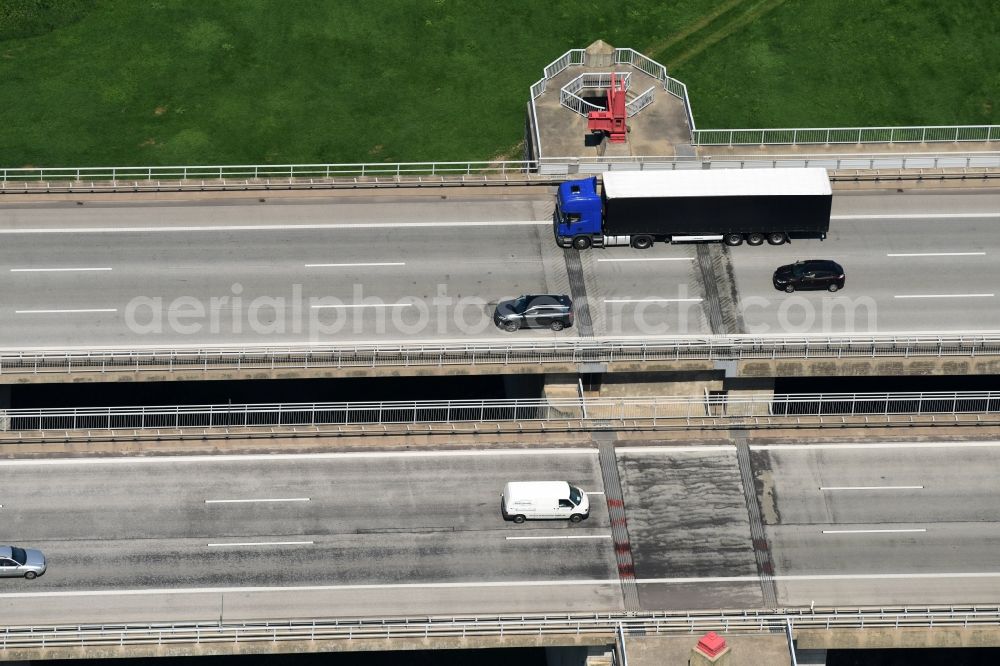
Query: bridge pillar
[
  {"x": 648, "y": 384},
  {"x": 586, "y": 655},
  {"x": 810, "y": 657},
  {"x": 517, "y": 387},
  {"x": 564, "y": 387}
]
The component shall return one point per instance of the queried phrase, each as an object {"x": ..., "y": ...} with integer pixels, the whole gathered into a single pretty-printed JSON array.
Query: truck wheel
[
  {"x": 557, "y": 326},
  {"x": 581, "y": 242},
  {"x": 642, "y": 242},
  {"x": 756, "y": 238},
  {"x": 776, "y": 238},
  {"x": 518, "y": 519},
  {"x": 575, "y": 518},
  {"x": 732, "y": 240}
]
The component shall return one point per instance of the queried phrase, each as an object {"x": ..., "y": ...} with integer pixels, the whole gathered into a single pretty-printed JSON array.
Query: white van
[{"x": 543, "y": 499}]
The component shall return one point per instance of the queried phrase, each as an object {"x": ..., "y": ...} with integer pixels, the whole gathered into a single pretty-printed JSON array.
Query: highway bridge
[
  {"x": 200, "y": 273},
  {"x": 388, "y": 533},
  {"x": 843, "y": 521},
  {"x": 376, "y": 525},
  {"x": 720, "y": 504}
]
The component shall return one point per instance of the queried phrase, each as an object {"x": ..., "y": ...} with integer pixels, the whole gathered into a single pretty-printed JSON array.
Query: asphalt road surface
[
  {"x": 391, "y": 268},
  {"x": 421, "y": 533}
]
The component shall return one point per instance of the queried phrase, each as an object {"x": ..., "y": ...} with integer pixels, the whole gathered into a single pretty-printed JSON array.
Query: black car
[
  {"x": 810, "y": 274},
  {"x": 553, "y": 311}
]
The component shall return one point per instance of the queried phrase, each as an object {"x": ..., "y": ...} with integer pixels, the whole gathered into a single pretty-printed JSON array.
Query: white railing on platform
[
  {"x": 640, "y": 102},
  {"x": 771, "y": 136},
  {"x": 569, "y": 98}
]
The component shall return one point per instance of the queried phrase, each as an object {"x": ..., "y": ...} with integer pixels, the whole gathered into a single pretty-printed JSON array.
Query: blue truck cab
[
  {"x": 640, "y": 208},
  {"x": 578, "y": 213}
]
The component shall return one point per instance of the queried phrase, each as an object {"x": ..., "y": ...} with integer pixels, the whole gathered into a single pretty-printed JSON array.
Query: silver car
[{"x": 21, "y": 562}]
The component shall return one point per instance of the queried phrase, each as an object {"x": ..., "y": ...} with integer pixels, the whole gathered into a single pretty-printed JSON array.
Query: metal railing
[
  {"x": 547, "y": 171},
  {"x": 842, "y": 167},
  {"x": 679, "y": 90},
  {"x": 642, "y": 63},
  {"x": 496, "y": 353},
  {"x": 856, "y": 135},
  {"x": 262, "y": 172},
  {"x": 710, "y": 410},
  {"x": 658, "y": 72},
  {"x": 539, "y": 626},
  {"x": 573, "y": 57},
  {"x": 577, "y": 57},
  {"x": 915, "y": 162},
  {"x": 568, "y": 93},
  {"x": 774, "y": 136},
  {"x": 640, "y": 102}
]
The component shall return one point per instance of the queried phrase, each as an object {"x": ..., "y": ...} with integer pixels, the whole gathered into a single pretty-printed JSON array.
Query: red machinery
[{"x": 612, "y": 121}]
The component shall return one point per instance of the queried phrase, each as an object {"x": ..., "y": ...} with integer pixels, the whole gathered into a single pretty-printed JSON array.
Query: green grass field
[{"x": 125, "y": 82}]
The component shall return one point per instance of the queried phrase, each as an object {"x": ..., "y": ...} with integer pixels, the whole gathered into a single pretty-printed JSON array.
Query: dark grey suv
[
  {"x": 810, "y": 274},
  {"x": 553, "y": 311}
]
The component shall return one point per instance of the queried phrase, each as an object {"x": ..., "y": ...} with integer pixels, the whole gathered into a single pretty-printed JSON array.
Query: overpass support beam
[
  {"x": 651, "y": 384},
  {"x": 810, "y": 657},
  {"x": 583, "y": 655},
  {"x": 882, "y": 638},
  {"x": 565, "y": 387}
]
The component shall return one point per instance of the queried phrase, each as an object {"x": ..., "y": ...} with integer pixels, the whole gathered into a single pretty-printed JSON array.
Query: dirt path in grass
[{"x": 714, "y": 29}]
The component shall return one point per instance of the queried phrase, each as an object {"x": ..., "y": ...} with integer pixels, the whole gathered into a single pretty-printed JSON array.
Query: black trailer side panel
[{"x": 669, "y": 216}]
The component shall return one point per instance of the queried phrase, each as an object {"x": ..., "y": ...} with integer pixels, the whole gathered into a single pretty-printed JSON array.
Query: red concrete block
[{"x": 711, "y": 644}]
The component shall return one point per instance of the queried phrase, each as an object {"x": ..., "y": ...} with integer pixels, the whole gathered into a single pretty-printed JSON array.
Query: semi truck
[{"x": 639, "y": 208}]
